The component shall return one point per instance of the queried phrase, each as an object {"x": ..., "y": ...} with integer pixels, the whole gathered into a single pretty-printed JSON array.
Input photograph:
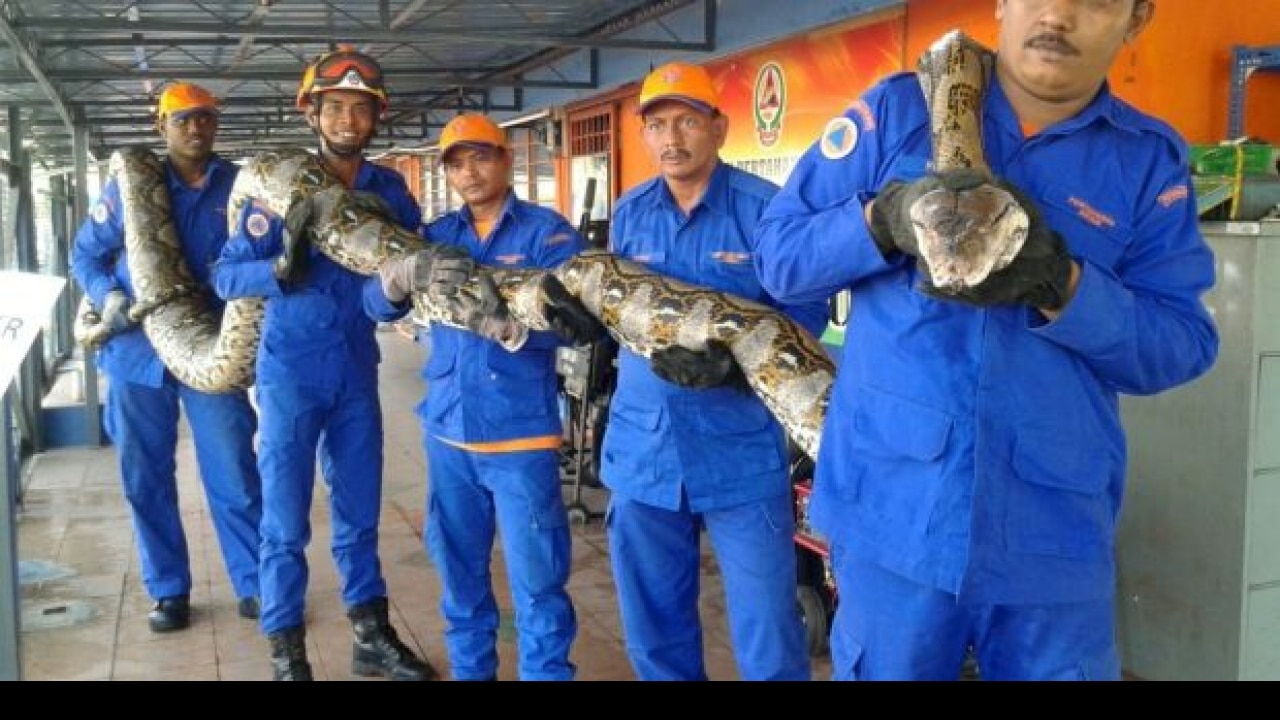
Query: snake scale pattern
[
  {"x": 964, "y": 235},
  {"x": 783, "y": 363},
  {"x": 205, "y": 351}
]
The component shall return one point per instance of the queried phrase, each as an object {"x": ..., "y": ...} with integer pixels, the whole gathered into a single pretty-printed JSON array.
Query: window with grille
[
  {"x": 590, "y": 144},
  {"x": 437, "y": 199},
  {"x": 534, "y": 172}
]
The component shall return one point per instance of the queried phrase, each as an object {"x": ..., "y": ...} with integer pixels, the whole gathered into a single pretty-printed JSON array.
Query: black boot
[
  {"x": 289, "y": 654},
  {"x": 378, "y": 650}
]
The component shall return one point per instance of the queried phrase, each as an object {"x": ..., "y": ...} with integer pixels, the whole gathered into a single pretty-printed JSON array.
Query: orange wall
[
  {"x": 1178, "y": 70},
  {"x": 635, "y": 163}
]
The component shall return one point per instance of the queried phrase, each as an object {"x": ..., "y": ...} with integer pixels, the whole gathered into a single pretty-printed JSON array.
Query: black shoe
[
  {"x": 289, "y": 655},
  {"x": 170, "y": 613},
  {"x": 248, "y": 608},
  {"x": 378, "y": 649}
]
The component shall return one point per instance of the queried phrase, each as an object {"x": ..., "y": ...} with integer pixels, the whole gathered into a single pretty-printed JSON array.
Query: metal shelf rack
[{"x": 1245, "y": 60}]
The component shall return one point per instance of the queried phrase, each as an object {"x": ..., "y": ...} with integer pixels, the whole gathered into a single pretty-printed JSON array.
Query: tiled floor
[{"x": 84, "y": 610}]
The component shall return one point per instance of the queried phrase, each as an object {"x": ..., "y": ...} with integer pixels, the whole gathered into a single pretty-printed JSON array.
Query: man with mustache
[
  {"x": 143, "y": 398},
  {"x": 688, "y": 445},
  {"x": 972, "y": 465},
  {"x": 491, "y": 425},
  {"x": 317, "y": 382}
]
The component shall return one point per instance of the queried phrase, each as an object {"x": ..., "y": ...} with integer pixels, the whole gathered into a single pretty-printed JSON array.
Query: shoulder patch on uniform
[
  {"x": 100, "y": 213},
  {"x": 558, "y": 239},
  {"x": 839, "y": 138},
  {"x": 1173, "y": 195},
  {"x": 257, "y": 224},
  {"x": 730, "y": 257}
]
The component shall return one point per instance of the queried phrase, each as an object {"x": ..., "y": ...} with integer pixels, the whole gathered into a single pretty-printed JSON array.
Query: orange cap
[
  {"x": 471, "y": 129},
  {"x": 184, "y": 98},
  {"x": 679, "y": 81}
]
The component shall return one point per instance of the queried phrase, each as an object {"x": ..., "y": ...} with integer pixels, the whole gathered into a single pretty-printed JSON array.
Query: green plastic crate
[{"x": 1222, "y": 159}]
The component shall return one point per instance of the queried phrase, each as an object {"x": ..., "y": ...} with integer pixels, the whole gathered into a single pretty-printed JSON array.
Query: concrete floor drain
[{"x": 48, "y": 615}]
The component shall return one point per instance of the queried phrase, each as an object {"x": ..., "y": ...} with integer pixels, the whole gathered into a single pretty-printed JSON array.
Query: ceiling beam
[
  {"x": 28, "y": 53},
  {"x": 495, "y": 37},
  {"x": 450, "y": 77}
]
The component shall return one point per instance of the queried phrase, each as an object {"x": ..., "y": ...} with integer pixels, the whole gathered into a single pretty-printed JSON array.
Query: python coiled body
[
  {"x": 783, "y": 363},
  {"x": 644, "y": 311},
  {"x": 201, "y": 349}
]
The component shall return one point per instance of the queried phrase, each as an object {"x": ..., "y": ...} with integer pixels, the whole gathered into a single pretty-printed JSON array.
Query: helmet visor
[{"x": 348, "y": 70}]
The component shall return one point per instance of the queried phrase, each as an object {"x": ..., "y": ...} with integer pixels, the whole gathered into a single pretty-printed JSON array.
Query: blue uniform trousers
[
  {"x": 346, "y": 423},
  {"x": 917, "y": 632},
  {"x": 142, "y": 421},
  {"x": 655, "y": 558},
  {"x": 521, "y": 490}
]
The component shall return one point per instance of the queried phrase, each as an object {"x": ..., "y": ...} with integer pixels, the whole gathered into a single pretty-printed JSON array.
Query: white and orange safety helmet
[{"x": 343, "y": 69}]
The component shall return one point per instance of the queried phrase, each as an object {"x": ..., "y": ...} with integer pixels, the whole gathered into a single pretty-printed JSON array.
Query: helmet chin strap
[{"x": 342, "y": 150}]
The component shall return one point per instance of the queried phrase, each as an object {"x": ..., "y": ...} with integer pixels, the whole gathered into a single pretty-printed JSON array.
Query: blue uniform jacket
[
  {"x": 477, "y": 391},
  {"x": 981, "y": 451},
  {"x": 316, "y": 334},
  {"x": 720, "y": 446},
  {"x": 98, "y": 259}
]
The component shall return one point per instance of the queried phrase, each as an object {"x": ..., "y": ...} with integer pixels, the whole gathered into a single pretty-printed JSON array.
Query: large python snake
[
  {"x": 966, "y": 234},
  {"x": 785, "y": 365},
  {"x": 207, "y": 352}
]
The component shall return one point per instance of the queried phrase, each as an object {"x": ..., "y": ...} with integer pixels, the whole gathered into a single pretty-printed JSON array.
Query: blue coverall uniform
[
  {"x": 676, "y": 458},
  {"x": 143, "y": 398},
  {"x": 492, "y": 431},
  {"x": 972, "y": 463},
  {"x": 317, "y": 388}
]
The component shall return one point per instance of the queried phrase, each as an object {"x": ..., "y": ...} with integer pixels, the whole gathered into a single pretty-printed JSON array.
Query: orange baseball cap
[
  {"x": 471, "y": 129},
  {"x": 182, "y": 99},
  {"x": 689, "y": 84}
]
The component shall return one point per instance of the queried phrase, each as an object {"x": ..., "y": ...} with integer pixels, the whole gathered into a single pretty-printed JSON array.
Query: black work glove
[
  {"x": 372, "y": 202},
  {"x": 115, "y": 311},
  {"x": 569, "y": 318},
  {"x": 713, "y": 367},
  {"x": 891, "y": 226},
  {"x": 1039, "y": 276},
  {"x": 295, "y": 260}
]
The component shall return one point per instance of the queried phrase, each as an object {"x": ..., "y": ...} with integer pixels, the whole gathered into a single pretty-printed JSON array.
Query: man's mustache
[
  {"x": 1055, "y": 43},
  {"x": 675, "y": 155}
]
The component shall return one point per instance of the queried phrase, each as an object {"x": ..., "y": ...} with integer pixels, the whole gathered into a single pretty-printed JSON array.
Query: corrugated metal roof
[{"x": 103, "y": 64}]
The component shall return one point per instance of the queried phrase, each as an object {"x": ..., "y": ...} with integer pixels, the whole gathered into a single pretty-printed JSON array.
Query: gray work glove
[
  {"x": 294, "y": 262},
  {"x": 713, "y": 367},
  {"x": 115, "y": 311},
  {"x": 569, "y": 318},
  {"x": 486, "y": 314},
  {"x": 437, "y": 270},
  {"x": 1039, "y": 276}
]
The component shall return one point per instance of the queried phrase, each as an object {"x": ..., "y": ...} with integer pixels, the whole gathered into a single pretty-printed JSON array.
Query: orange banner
[{"x": 780, "y": 97}]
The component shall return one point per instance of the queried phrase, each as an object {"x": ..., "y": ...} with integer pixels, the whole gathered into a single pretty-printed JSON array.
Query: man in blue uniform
[
  {"x": 688, "y": 444},
  {"x": 972, "y": 463},
  {"x": 490, "y": 421},
  {"x": 143, "y": 397},
  {"x": 317, "y": 386}
]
